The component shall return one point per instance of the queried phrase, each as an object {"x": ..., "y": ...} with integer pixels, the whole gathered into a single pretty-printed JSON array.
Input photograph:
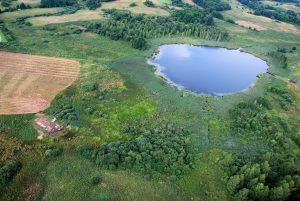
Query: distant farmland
[{"x": 28, "y": 83}]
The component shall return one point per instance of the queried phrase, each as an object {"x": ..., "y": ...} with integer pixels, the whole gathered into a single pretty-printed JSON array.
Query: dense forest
[
  {"x": 122, "y": 25},
  {"x": 272, "y": 12}
]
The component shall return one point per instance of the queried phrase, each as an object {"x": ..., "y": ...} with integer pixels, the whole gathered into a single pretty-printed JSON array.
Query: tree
[
  {"x": 241, "y": 195},
  {"x": 260, "y": 192},
  {"x": 139, "y": 43}
]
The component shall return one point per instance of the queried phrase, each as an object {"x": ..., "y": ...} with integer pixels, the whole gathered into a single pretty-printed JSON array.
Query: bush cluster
[
  {"x": 8, "y": 171},
  {"x": 164, "y": 150},
  {"x": 66, "y": 113},
  {"x": 253, "y": 117}
]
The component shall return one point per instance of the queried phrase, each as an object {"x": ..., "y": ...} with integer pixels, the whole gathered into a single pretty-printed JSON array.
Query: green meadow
[{"x": 108, "y": 113}]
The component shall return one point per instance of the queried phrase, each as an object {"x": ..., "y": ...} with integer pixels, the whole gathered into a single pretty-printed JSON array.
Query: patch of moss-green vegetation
[
  {"x": 147, "y": 140},
  {"x": 76, "y": 176},
  {"x": 19, "y": 126}
]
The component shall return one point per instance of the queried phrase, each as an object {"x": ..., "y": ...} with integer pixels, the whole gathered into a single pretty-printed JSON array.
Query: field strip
[{"x": 28, "y": 83}]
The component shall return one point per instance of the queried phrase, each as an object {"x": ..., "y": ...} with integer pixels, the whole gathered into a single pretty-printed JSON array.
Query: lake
[{"x": 209, "y": 70}]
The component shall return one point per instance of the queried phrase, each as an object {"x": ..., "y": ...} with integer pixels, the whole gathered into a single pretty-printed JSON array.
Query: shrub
[
  {"x": 133, "y": 4},
  {"x": 95, "y": 181},
  {"x": 149, "y": 4},
  {"x": 138, "y": 43},
  {"x": 89, "y": 86},
  {"x": 51, "y": 153},
  {"x": 163, "y": 149},
  {"x": 8, "y": 171}
]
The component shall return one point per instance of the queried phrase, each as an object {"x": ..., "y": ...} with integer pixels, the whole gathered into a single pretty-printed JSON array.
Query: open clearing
[
  {"x": 250, "y": 24},
  {"x": 80, "y": 15},
  {"x": 29, "y": 12},
  {"x": 28, "y": 83},
  {"x": 241, "y": 13},
  {"x": 140, "y": 8},
  {"x": 83, "y": 15}
]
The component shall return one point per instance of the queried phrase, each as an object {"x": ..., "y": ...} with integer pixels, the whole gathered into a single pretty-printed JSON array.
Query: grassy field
[
  {"x": 286, "y": 6},
  {"x": 128, "y": 92},
  {"x": 140, "y": 8},
  {"x": 29, "y": 12},
  {"x": 76, "y": 174},
  {"x": 242, "y": 16},
  {"x": 29, "y": 83},
  {"x": 81, "y": 15},
  {"x": 84, "y": 15}
]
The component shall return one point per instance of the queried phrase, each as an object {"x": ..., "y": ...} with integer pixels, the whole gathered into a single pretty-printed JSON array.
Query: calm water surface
[{"x": 209, "y": 70}]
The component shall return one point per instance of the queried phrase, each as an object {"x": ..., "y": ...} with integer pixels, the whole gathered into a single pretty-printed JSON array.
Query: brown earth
[{"x": 28, "y": 83}]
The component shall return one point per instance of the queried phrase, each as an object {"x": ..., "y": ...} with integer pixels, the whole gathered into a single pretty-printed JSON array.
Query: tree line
[{"x": 122, "y": 25}]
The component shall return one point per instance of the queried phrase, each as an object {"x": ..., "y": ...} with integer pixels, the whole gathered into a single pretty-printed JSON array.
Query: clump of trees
[
  {"x": 8, "y": 171},
  {"x": 282, "y": 96},
  {"x": 279, "y": 57},
  {"x": 254, "y": 117},
  {"x": 138, "y": 43},
  {"x": 213, "y": 5},
  {"x": 51, "y": 153},
  {"x": 272, "y": 12},
  {"x": 93, "y": 4},
  {"x": 193, "y": 15},
  {"x": 274, "y": 176},
  {"x": 57, "y": 3},
  {"x": 65, "y": 113},
  {"x": 163, "y": 149},
  {"x": 149, "y": 3},
  {"x": 7, "y": 33},
  {"x": 122, "y": 25}
]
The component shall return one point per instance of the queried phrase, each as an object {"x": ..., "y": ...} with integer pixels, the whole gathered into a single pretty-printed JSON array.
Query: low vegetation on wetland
[{"x": 124, "y": 132}]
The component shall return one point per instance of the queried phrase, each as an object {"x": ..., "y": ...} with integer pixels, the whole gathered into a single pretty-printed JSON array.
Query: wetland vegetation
[{"x": 128, "y": 134}]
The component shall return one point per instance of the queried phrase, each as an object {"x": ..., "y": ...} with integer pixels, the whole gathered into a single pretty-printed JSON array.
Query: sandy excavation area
[{"x": 28, "y": 83}]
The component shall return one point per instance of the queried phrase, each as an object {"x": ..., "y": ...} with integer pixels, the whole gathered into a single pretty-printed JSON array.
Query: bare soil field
[{"x": 28, "y": 83}]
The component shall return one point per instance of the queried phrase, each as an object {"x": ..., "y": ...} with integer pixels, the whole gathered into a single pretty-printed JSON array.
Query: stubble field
[{"x": 29, "y": 83}]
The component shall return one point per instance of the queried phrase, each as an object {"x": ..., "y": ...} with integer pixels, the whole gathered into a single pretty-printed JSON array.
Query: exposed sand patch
[{"x": 28, "y": 83}]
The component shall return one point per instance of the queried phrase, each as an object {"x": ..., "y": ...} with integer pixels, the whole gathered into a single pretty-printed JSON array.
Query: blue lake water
[{"x": 209, "y": 70}]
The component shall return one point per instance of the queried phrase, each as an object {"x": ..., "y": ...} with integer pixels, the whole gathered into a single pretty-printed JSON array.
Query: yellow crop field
[{"x": 28, "y": 83}]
